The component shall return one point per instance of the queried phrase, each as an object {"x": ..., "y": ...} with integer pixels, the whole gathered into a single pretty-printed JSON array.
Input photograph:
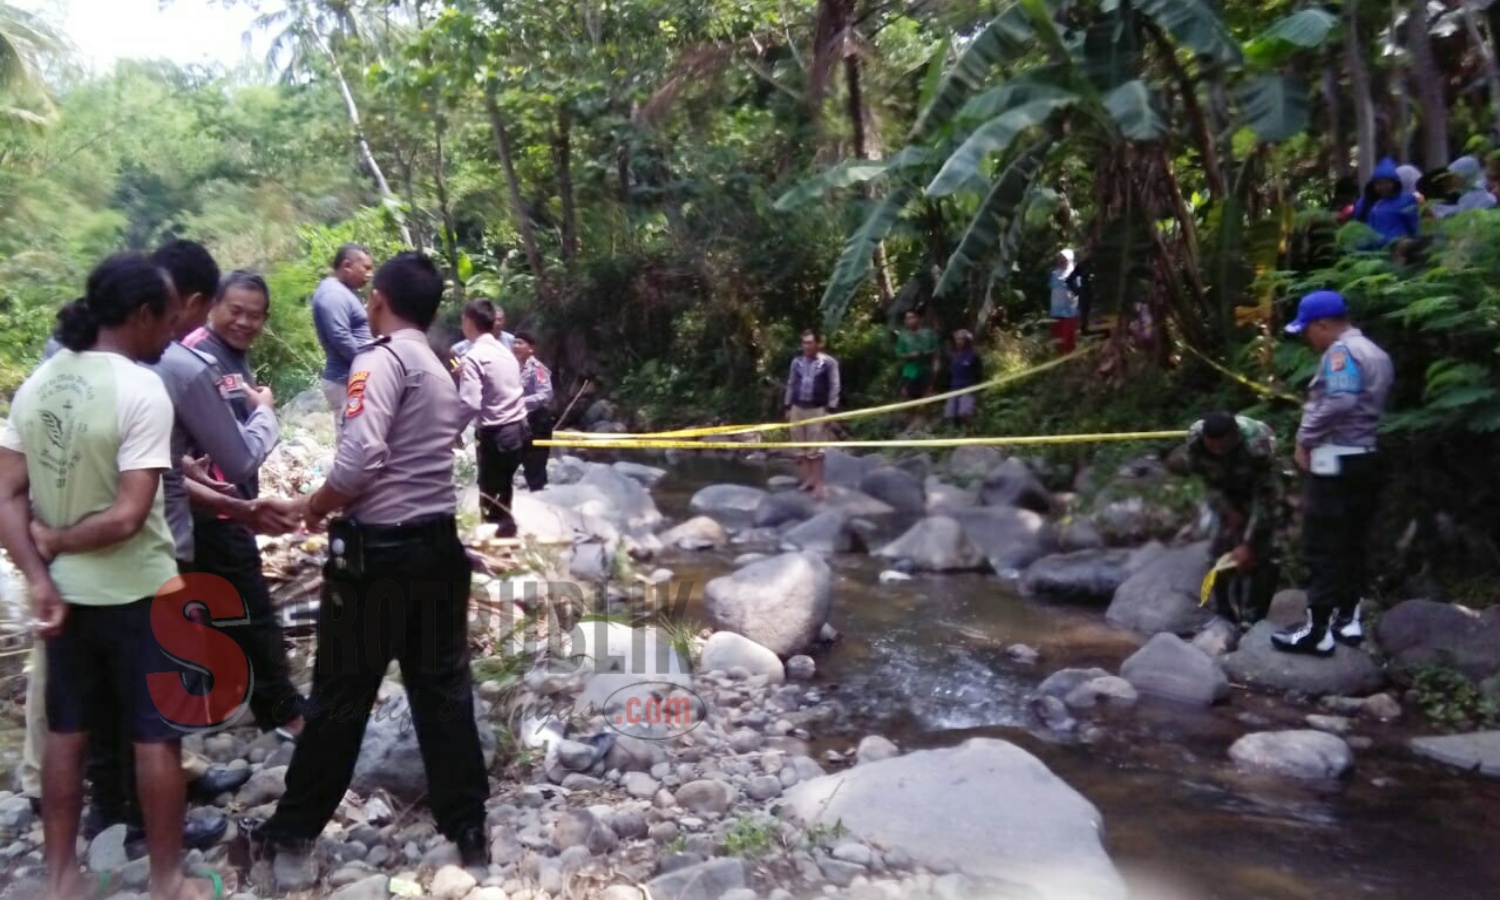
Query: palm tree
[
  {"x": 25, "y": 42},
  {"x": 307, "y": 31}
]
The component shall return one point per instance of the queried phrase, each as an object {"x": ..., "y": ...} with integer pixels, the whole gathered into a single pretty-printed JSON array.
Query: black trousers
[
  {"x": 409, "y": 603},
  {"x": 499, "y": 456},
  {"x": 534, "y": 458},
  {"x": 228, "y": 550},
  {"x": 1337, "y": 511}
]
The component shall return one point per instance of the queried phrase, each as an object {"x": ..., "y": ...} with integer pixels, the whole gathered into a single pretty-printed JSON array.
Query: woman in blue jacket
[{"x": 1387, "y": 207}]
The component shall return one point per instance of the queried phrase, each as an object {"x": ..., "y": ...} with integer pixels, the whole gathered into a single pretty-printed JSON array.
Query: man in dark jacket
[
  {"x": 812, "y": 392},
  {"x": 1387, "y": 207}
]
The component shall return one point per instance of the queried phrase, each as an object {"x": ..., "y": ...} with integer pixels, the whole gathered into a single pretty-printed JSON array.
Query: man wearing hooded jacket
[{"x": 1387, "y": 207}]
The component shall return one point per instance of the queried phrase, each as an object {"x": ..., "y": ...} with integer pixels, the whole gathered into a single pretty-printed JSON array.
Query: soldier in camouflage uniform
[{"x": 1236, "y": 458}]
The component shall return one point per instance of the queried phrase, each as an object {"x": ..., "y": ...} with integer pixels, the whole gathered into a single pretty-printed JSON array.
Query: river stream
[{"x": 923, "y": 663}]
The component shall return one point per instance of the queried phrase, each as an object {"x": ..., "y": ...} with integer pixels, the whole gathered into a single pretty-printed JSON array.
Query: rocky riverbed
[{"x": 954, "y": 678}]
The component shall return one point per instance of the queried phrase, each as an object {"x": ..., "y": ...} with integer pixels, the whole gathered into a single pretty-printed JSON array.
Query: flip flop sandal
[
  {"x": 101, "y": 890},
  {"x": 207, "y": 874},
  {"x": 286, "y": 737}
]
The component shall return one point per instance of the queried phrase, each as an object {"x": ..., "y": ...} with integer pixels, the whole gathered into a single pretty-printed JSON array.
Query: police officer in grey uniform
[
  {"x": 396, "y": 580},
  {"x": 1336, "y": 447}
]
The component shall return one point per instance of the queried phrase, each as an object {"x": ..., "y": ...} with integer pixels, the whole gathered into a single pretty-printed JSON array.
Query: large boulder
[
  {"x": 775, "y": 510},
  {"x": 1171, "y": 668},
  {"x": 780, "y": 603},
  {"x": 825, "y": 534},
  {"x": 725, "y": 650},
  {"x": 1348, "y": 673},
  {"x": 1021, "y": 825},
  {"x": 600, "y": 411},
  {"x": 937, "y": 544},
  {"x": 390, "y": 759},
  {"x": 857, "y": 503},
  {"x": 600, "y": 646},
  {"x": 634, "y": 503},
  {"x": 944, "y": 498},
  {"x": 700, "y": 533},
  {"x": 1477, "y": 752},
  {"x": 971, "y": 464},
  {"x": 1012, "y": 484},
  {"x": 1087, "y": 575},
  {"x": 1011, "y": 539},
  {"x": 646, "y": 476},
  {"x": 584, "y": 499},
  {"x": 896, "y": 488},
  {"x": 727, "y": 502},
  {"x": 1165, "y": 594},
  {"x": 846, "y": 469},
  {"x": 1308, "y": 755},
  {"x": 1421, "y": 633}
]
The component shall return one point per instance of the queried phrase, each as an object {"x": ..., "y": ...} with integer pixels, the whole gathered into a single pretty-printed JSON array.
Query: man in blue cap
[{"x": 1336, "y": 449}]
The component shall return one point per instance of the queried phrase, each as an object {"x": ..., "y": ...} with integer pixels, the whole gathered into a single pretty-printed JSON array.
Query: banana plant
[{"x": 1081, "y": 85}]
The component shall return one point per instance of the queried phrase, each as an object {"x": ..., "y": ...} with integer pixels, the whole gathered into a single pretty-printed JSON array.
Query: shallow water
[{"x": 923, "y": 662}]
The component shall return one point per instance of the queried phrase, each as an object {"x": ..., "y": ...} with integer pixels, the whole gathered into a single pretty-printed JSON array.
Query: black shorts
[
  {"x": 98, "y": 666},
  {"x": 916, "y": 386}
]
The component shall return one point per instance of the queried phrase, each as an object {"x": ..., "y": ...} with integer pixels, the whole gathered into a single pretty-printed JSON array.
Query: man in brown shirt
[
  {"x": 396, "y": 581},
  {"x": 490, "y": 387}
]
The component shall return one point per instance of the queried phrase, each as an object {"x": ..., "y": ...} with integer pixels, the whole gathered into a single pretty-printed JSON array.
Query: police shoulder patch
[
  {"x": 355, "y": 406},
  {"x": 357, "y": 383},
  {"x": 1338, "y": 359}
]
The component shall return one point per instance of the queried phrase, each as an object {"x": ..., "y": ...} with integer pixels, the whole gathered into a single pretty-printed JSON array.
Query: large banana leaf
[
  {"x": 1008, "y": 36},
  {"x": 1195, "y": 24},
  {"x": 1045, "y": 82},
  {"x": 856, "y": 262},
  {"x": 1303, "y": 30},
  {"x": 850, "y": 172},
  {"x": 1004, "y": 203},
  {"x": 1110, "y": 54},
  {"x": 995, "y": 136},
  {"x": 1130, "y": 105},
  {"x": 1275, "y": 107}
]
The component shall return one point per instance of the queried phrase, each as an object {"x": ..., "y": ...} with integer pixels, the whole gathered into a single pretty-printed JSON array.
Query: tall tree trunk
[
  {"x": 1486, "y": 52},
  {"x": 562, "y": 149},
  {"x": 513, "y": 186},
  {"x": 1332, "y": 100},
  {"x": 861, "y": 133},
  {"x": 1359, "y": 88},
  {"x": 1208, "y": 149},
  {"x": 450, "y": 228},
  {"x": 1428, "y": 81},
  {"x": 359, "y": 136}
]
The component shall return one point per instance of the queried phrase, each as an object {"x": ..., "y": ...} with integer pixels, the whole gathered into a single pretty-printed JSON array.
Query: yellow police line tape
[
  {"x": 722, "y": 430},
  {"x": 1235, "y": 376},
  {"x": 747, "y": 446}
]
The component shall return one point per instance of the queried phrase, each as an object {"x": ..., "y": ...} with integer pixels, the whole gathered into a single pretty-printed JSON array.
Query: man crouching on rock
[
  {"x": 812, "y": 391},
  {"x": 397, "y": 580},
  {"x": 1236, "y": 458}
]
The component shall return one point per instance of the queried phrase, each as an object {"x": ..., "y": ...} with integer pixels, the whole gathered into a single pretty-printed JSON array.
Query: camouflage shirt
[{"x": 1243, "y": 480}]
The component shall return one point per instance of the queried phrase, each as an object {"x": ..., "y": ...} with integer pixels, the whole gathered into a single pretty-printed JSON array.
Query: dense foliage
[{"x": 669, "y": 191}]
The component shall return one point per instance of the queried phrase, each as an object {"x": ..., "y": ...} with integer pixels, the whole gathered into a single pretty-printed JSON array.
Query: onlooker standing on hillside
[
  {"x": 89, "y": 438},
  {"x": 342, "y": 325},
  {"x": 1063, "y": 303},
  {"x": 812, "y": 391},
  {"x": 917, "y": 349},
  {"x": 1387, "y": 207},
  {"x": 490, "y": 388},
  {"x": 965, "y": 369},
  {"x": 1336, "y": 446},
  {"x": 536, "y": 396}
]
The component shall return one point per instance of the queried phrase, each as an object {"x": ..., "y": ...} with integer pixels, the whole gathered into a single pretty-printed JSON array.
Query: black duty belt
[{"x": 424, "y": 528}]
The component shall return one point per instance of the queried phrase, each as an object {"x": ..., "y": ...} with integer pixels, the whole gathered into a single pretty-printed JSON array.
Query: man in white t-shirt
[{"x": 82, "y": 517}]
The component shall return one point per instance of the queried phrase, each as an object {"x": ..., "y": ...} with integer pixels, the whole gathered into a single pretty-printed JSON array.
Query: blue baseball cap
[{"x": 1318, "y": 305}]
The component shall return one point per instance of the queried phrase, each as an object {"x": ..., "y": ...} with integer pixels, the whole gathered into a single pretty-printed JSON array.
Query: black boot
[
  {"x": 1347, "y": 628},
  {"x": 1312, "y": 637},
  {"x": 474, "y": 848}
]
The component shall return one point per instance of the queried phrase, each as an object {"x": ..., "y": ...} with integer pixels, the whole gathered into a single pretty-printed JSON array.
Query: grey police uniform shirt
[
  {"x": 1348, "y": 395},
  {"x": 536, "y": 385},
  {"x": 203, "y": 423},
  {"x": 395, "y": 454},
  {"x": 462, "y": 347},
  {"x": 490, "y": 384},
  {"x": 206, "y": 424}
]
